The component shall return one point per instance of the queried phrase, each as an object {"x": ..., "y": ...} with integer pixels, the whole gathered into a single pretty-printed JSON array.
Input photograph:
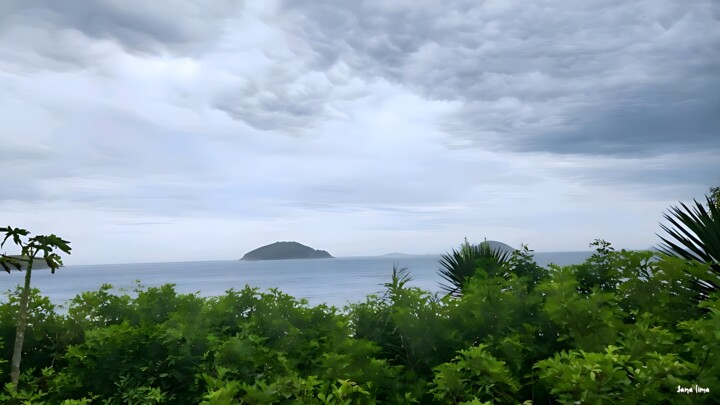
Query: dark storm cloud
[
  {"x": 136, "y": 25},
  {"x": 605, "y": 78},
  {"x": 644, "y": 122},
  {"x": 663, "y": 176},
  {"x": 680, "y": 125}
]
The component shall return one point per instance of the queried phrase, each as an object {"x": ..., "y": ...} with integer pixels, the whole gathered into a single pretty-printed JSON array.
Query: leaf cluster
[{"x": 30, "y": 248}]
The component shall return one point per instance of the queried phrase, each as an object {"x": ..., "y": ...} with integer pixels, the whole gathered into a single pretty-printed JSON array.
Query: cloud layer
[{"x": 134, "y": 128}]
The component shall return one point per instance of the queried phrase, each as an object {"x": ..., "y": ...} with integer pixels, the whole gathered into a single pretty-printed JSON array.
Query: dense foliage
[{"x": 622, "y": 327}]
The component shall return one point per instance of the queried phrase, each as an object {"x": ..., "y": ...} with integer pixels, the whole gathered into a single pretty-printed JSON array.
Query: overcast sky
[{"x": 198, "y": 130}]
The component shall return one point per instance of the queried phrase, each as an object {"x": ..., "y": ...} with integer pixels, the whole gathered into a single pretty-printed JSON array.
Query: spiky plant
[
  {"x": 694, "y": 234},
  {"x": 470, "y": 260},
  {"x": 400, "y": 277}
]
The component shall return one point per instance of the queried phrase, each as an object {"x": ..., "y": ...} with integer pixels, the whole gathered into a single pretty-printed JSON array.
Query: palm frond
[
  {"x": 694, "y": 234},
  {"x": 458, "y": 266}
]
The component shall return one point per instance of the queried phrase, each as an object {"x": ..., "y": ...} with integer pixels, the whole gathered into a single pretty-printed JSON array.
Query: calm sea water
[{"x": 335, "y": 281}]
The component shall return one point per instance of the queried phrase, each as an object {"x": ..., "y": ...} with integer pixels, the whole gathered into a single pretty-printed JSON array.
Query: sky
[{"x": 147, "y": 131}]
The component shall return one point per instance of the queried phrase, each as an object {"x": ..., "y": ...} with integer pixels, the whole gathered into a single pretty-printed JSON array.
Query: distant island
[
  {"x": 400, "y": 254},
  {"x": 499, "y": 245},
  {"x": 492, "y": 243},
  {"x": 38, "y": 263},
  {"x": 285, "y": 250}
]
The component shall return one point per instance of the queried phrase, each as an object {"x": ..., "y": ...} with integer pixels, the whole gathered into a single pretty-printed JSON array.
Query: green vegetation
[
  {"x": 619, "y": 328},
  {"x": 714, "y": 197}
]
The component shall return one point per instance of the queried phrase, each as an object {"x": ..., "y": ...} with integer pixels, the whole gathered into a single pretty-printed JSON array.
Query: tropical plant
[
  {"x": 470, "y": 260},
  {"x": 694, "y": 234},
  {"x": 598, "y": 271},
  {"x": 30, "y": 250},
  {"x": 522, "y": 264},
  {"x": 474, "y": 373}
]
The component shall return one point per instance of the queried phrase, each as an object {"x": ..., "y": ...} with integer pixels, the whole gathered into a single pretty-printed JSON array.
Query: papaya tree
[{"x": 32, "y": 248}]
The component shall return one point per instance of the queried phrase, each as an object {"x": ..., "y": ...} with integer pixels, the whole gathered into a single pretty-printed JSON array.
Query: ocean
[{"x": 336, "y": 281}]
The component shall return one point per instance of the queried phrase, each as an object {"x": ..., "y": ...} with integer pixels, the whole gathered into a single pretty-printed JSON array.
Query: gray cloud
[
  {"x": 647, "y": 122},
  {"x": 288, "y": 96},
  {"x": 658, "y": 178},
  {"x": 137, "y": 26},
  {"x": 290, "y": 101},
  {"x": 606, "y": 78}
]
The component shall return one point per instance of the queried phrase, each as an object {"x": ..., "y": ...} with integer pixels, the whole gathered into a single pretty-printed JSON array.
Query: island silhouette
[{"x": 285, "y": 250}]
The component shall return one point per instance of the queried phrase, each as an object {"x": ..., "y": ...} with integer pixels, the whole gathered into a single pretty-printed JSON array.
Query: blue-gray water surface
[{"x": 336, "y": 281}]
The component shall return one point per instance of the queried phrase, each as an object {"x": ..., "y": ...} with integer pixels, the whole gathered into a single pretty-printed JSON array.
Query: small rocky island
[
  {"x": 285, "y": 250},
  {"x": 499, "y": 245}
]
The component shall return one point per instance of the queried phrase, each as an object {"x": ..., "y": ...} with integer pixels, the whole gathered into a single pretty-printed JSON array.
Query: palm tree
[
  {"x": 695, "y": 235},
  {"x": 471, "y": 260}
]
